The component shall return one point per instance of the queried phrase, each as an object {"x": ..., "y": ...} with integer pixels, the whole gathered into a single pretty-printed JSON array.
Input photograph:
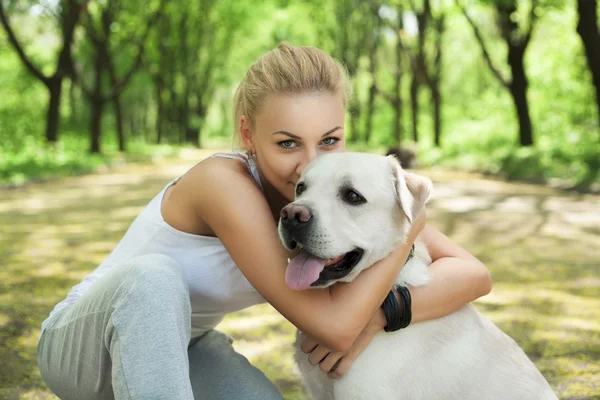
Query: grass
[{"x": 541, "y": 245}]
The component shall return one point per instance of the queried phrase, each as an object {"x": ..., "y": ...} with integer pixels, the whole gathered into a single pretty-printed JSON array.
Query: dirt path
[{"x": 542, "y": 246}]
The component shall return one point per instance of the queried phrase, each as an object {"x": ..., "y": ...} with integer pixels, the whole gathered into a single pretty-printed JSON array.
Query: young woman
[{"x": 141, "y": 325}]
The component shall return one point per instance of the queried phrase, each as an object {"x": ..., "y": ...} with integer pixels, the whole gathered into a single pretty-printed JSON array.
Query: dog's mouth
[{"x": 307, "y": 270}]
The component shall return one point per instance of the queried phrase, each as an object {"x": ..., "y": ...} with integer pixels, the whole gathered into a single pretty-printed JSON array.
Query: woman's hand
[{"x": 336, "y": 364}]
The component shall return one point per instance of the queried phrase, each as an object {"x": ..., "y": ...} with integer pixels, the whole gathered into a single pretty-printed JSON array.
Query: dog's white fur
[{"x": 460, "y": 356}]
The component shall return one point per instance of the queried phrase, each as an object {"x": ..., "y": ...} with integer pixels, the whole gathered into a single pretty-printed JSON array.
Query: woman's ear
[{"x": 246, "y": 132}]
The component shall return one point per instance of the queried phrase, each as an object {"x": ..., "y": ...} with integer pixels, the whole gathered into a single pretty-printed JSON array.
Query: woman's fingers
[
  {"x": 342, "y": 367},
  {"x": 318, "y": 355},
  {"x": 330, "y": 362},
  {"x": 308, "y": 345}
]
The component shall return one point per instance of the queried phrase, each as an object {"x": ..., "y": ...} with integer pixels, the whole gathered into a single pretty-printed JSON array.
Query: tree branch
[
  {"x": 387, "y": 96},
  {"x": 486, "y": 55},
  {"x": 532, "y": 19},
  {"x": 116, "y": 90},
  {"x": 15, "y": 43}
]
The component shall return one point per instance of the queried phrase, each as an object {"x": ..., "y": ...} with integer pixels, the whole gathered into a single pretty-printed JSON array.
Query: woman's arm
[
  {"x": 234, "y": 207},
  {"x": 457, "y": 278}
]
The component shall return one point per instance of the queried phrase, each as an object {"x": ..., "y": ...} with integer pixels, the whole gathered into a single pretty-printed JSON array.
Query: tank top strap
[{"x": 250, "y": 162}]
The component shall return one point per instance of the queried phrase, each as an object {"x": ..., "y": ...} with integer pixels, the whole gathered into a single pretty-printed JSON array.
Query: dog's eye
[
  {"x": 354, "y": 198},
  {"x": 300, "y": 188}
]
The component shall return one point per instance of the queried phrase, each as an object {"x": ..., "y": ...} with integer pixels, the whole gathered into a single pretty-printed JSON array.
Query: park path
[{"x": 542, "y": 246}]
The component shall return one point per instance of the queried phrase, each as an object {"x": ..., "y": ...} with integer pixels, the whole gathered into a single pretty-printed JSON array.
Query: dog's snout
[{"x": 295, "y": 214}]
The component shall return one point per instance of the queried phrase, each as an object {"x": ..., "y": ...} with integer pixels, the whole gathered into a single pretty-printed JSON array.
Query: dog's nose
[{"x": 295, "y": 214}]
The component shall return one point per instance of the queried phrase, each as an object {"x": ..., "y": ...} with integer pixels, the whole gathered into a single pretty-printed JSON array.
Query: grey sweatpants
[{"x": 128, "y": 337}]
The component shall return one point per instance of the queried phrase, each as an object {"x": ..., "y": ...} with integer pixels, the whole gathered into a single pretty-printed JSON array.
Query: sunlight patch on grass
[
  {"x": 253, "y": 349},
  {"x": 518, "y": 204},
  {"x": 3, "y": 319},
  {"x": 250, "y": 323},
  {"x": 463, "y": 203},
  {"x": 49, "y": 269}
]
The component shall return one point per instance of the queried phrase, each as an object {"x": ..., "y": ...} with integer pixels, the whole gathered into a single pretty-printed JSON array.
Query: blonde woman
[{"x": 141, "y": 325}]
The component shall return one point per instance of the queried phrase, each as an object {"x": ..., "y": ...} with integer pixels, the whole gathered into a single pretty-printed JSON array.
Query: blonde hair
[{"x": 289, "y": 70}]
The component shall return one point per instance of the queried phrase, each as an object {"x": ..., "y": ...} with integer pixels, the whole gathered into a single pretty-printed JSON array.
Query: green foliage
[{"x": 479, "y": 126}]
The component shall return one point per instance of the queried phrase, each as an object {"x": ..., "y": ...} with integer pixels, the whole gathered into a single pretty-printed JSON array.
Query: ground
[{"x": 542, "y": 246}]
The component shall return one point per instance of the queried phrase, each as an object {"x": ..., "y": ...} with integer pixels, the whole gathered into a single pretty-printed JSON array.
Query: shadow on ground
[{"x": 542, "y": 246}]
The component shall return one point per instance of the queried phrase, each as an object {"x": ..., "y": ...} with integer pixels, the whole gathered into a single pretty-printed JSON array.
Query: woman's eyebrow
[{"x": 298, "y": 137}]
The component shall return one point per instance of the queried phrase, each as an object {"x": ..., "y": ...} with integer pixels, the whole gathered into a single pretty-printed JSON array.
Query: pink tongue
[{"x": 303, "y": 270}]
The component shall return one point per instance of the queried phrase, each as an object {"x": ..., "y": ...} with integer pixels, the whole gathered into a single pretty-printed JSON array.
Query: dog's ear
[{"x": 412, "y": 190}]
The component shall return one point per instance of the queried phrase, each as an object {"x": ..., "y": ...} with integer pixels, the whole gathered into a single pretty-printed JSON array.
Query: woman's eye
[
  {"x": 330, "y": 141},
  {"x": 287, "y": 144}
]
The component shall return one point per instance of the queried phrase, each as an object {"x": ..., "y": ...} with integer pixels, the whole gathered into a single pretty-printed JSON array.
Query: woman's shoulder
[
  {"x": 214, "y": 180},
  {"x": 224, "y": 170},
  {"x": 217, "y": 177}
]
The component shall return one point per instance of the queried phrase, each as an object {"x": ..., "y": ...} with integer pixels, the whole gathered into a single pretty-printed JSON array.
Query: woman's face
[{"x": 290, "y": 131}]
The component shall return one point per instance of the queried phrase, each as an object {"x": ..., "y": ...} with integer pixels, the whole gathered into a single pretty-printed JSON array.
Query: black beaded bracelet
[
  {"x": 397, "y": 318},
  {"x": 392, "y": 311},
  {"x": 406, "y": 306}
]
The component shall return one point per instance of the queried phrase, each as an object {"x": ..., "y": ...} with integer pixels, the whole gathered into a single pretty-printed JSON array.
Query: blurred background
[
  {"x": 498, "y": 100},
  {"x": 505, "y": 87}
]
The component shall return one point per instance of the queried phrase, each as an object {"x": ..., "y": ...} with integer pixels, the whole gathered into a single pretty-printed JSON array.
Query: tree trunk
[
  {"x": 397, "y": 104},
  {"x": 73, "y": 103},
  {"x": 354, "y": 126},
  {"x": 159, "y": 110},
  {"x": 97, "y": 107},
  {"x": 587, "y": 28},
  {"x": 192, "y": 136},
  {"x": 397, "y": 99},
  {"x": 372, "y": 71},
  {"x": 53, "y": 114},
  {"x": 370, "y": 111},
  {"x": 132, "y": 123},
  {"x": 145, "y": 117},
  {"x": 518, "y": 90},
  {"x": 117, "y": 104},
  {"x": 119, "y": 122},
  {"x": 96, "y": 127},
  {"x": 414, "y": 105},
  {"x": 437, "y": 117}
]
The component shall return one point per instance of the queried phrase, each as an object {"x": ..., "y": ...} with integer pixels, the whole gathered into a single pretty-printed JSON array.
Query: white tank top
[{"x": 216, "y": 285}]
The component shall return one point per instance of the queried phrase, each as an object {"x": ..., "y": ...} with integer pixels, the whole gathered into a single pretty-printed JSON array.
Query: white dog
[{"x": 352, "y": 210}]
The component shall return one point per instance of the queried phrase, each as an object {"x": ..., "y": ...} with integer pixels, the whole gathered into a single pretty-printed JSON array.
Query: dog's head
[{"x": 351, "y": 210}]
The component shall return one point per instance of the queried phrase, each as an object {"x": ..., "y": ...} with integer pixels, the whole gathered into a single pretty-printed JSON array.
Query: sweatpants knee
[{"x": 158, "y": 275}]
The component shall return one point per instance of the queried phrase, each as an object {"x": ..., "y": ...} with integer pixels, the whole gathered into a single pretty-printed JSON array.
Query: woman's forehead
[{"x": 313, "y": 113}]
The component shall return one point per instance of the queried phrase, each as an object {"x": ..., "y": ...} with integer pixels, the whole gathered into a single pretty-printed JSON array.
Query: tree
[
  {"x": 189, "y": 61},
  {"x": 67, "y": 15},
  {"x": 517, "y": 42},
  {"x": 353, "y": 37},
  {"x": 395, "y": 97},
  {"x": 587, "y": 28},
  {"x": 374, "y": 40},
  {"x": 100, "y": 36},
  {"x": 424, "y": 71}
]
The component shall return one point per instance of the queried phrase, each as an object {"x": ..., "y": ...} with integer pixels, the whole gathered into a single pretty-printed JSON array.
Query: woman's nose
[{"x": 309, "y": 156}]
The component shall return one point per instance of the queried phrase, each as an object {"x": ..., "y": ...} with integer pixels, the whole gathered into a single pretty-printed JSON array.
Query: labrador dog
[{"x": 352, "y": 210}]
